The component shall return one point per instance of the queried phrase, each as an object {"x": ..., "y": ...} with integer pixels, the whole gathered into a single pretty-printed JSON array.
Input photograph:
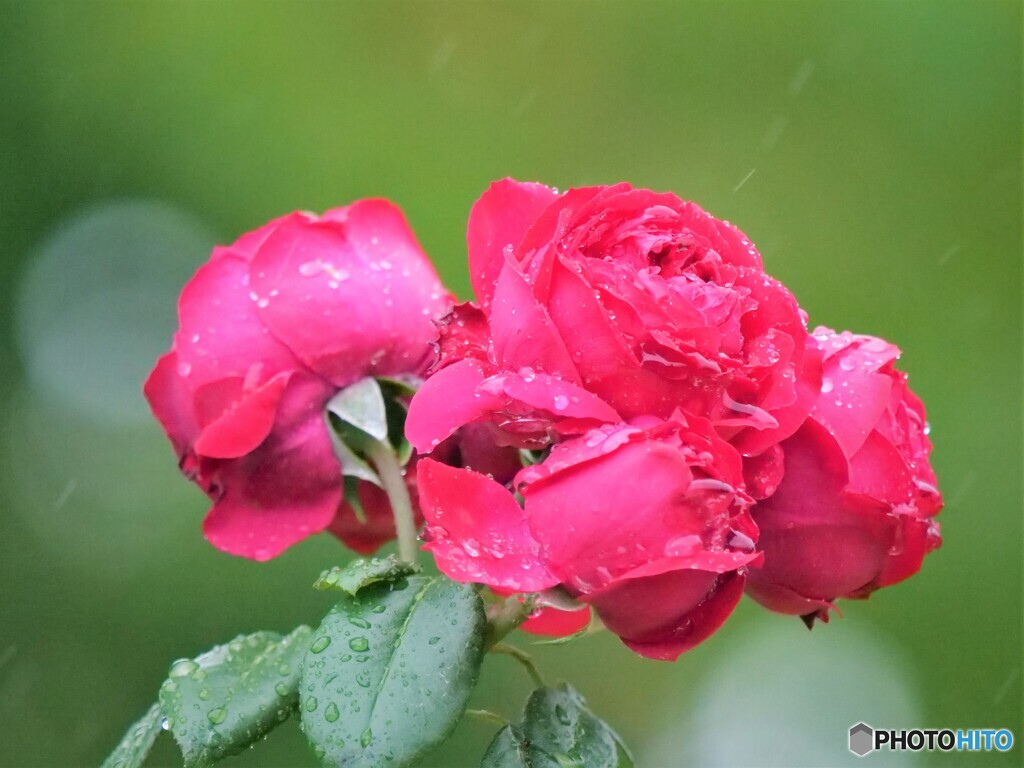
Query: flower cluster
[{"x": 632, "y": 420}]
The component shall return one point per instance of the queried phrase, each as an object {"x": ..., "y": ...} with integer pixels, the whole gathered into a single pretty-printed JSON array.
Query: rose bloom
[
  {"x": 610, "y": 303},
  {"x": 646, "y": 523},
  {"x": 854, "y": 511},
  {"x": 270, "y": 328}
]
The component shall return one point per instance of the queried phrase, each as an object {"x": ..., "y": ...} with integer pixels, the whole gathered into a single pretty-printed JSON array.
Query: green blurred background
[{"x": 871, "y": 150}]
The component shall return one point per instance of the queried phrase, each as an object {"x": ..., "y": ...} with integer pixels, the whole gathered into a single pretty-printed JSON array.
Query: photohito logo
[{"x": 864, "y": 739}]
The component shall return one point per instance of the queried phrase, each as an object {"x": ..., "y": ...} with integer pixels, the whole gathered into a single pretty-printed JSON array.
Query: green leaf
[
  {"x": 362, "y": 573},
  {"x": 362, "y": 405},
  {"x": 224, "y": 700},
  {"x": 137, "y": 742},
  {"x": 352, "y": 465},
  {"x": 390, "y": 670},
  {"x": 509, "y": 749},
  {"x": 558, "y": 731},
  {"x": 402, "y": 385}
]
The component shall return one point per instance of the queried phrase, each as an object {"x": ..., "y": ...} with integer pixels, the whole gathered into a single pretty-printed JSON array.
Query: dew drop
[
  {"x": 358, "y": 644},
  {"x": 320, "y": 644},
  {"x": 217, "y": 716},
  {"x": 182, "y": 668},
  {"x": 331, "y": 714}
]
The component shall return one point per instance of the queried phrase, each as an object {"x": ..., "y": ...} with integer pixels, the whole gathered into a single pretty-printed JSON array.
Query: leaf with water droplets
[
  {"x": 225, "y": 699},
  {"x": 558, "y": 731},
  {"x": 390, "y": 670},
  {"x": 364, "y": 572},
  {"x": 137, "y": 742},
  {"x": 509, "y": 749}
]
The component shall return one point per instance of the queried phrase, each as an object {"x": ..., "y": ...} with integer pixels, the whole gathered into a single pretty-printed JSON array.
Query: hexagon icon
[{"x": 862, "y": 739}]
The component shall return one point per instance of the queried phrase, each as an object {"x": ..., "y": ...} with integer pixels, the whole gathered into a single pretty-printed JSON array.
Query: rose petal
[
  {"x": 914, "y": 539},
  {"x": 662, "y": 616},
  {"x": 558, "y": 397},
  {"x": 448, "y": 400},
  {"x": 286, "y": 489},
  {"x": 170, "y": 401},
  {"x": 367, "y": 293},
  {"x": 221, "y": 334},
  {"x": 476, "y": 530},
  {"x": 852, "y": 405},
  {"x": 499, "y": 219},
  {"x": 522, "y": 333},
  {"x": 594, "y": 520},
  {"x": 245, "y": 424},
  {"x": 461, "y": 333},
  {"x": 879, "y": 470},
  {"x": 552, "y": 622}
]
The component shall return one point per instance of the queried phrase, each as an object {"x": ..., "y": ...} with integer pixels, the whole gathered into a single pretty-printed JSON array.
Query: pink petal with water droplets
[
  {"x": 522, "y": 333},
  {"x": 499, "y": 219},
  {"x": 221, "y": 334},
  {"x": 170, "y": 401},
  {"x": 560, "y": 398},
  {"x": 448, "y": 400},
  {"x": 597, "y": 519},
  {"x": 350, "y": 298},
  {"x": 477, "y": 532}
]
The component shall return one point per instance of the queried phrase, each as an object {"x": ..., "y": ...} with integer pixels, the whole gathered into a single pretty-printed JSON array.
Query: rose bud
[
  {"x": 609, "y": 303},
  {"x": 647, "y": 524},
  {"x": 270, "y": 328},
  {"x": 854, "y": 511}
]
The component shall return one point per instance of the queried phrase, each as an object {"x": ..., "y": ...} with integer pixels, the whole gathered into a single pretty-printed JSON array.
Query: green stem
[
  {"x": 503, "y": 617},
  {"x": 390, "y": 473},
  {"x": 523, "y": 658}
]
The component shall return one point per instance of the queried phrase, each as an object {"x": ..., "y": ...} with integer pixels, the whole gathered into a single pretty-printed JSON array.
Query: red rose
[
  {"x": 270, "y": 328},
  {"x": 854, "y": 510},
  {"x": 609, "y": 303},
  {"x": 645, "y": 523}
]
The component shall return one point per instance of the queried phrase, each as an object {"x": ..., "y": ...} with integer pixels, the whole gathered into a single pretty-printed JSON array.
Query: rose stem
[
  {"x": 390, "y": 473},
  {"x": 523, "y": 658}
]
